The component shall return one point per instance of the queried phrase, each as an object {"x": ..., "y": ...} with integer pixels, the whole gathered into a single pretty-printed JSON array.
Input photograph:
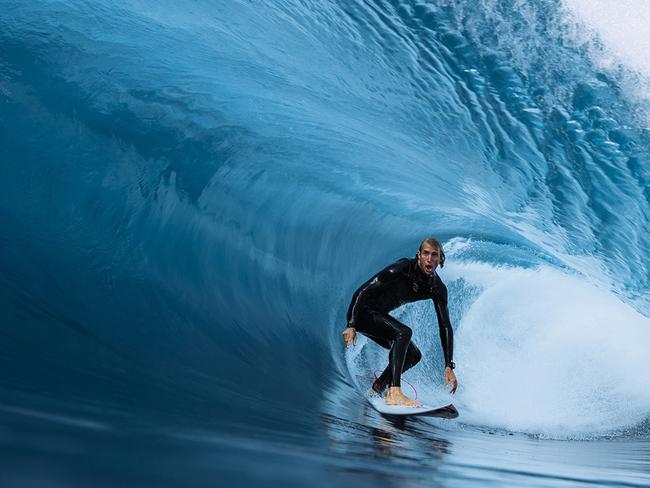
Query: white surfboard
[{"x": 444, "y": 411}]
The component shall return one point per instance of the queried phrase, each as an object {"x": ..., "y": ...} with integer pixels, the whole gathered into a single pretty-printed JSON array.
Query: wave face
[{"x": 190, "y": 196}]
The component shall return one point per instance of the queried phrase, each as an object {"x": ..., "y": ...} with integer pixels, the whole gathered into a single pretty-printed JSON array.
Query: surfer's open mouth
[{"x": 428, "y": 268}]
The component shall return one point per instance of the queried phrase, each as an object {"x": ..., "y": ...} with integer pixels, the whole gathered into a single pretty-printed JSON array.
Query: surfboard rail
[{"x": 444, "y": 411}]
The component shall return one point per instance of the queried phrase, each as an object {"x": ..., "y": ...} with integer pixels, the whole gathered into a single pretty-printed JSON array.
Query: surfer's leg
[
  {"x": 390, "y": 333},
  {"x": 413, "y": 356},
  {"x": 400, "y": 336},
  {"x": 378, "y": 332},
  {"x": 381, "y": 383}
]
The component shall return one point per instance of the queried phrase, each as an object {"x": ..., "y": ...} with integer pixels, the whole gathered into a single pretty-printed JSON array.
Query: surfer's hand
[
  {"x": 350, "y": 336},
  {"x": 450, "y": 378}
]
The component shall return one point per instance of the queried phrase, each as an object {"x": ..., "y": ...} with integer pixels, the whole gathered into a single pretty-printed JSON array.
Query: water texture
[{"x": 190, "y": 194}]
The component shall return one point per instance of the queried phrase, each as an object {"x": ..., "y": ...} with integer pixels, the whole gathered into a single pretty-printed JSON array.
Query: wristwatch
[{"x": 451, "y": 365}]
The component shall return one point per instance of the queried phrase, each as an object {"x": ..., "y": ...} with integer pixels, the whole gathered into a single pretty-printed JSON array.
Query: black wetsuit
[{"x": 401, "y": 282}]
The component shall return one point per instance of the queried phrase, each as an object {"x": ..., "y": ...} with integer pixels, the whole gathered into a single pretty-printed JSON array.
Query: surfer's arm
[
  {"x": 350, "y": 336},
  {"x": 446, "y": 335},
  {"x": 446, "y": 332},
  {"x": 380, "y": 279}
]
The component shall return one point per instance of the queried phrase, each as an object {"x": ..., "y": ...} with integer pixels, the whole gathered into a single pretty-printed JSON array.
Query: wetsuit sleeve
[
  {"x": 446, "y": 332},
  {"x": 384, "y": 276}
]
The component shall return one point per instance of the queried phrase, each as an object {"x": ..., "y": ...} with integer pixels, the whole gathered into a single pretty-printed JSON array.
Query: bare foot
[{"x": 396, "y": 397}]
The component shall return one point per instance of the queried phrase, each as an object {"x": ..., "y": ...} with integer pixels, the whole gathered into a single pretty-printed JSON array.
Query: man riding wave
[{"x": 405, "y": 281}]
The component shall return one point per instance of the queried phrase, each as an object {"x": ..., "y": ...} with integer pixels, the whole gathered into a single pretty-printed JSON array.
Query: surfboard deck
[{"x": 445, "y": 411}]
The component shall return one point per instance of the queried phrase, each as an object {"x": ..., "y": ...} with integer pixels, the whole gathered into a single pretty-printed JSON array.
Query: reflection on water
[
  {"x": 440, "y": 452},
  {"x": 353, "y": 446}
]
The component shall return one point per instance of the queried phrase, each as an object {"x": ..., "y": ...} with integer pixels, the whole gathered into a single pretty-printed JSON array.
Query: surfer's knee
[{"x": 405, "y": 332}]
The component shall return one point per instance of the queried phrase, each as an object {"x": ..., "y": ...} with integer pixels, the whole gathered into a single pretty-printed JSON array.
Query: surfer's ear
[{"x": 442, "y": 257}]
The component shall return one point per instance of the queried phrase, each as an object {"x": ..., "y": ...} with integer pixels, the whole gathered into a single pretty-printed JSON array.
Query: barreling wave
[{"x": 190, "y": 195}]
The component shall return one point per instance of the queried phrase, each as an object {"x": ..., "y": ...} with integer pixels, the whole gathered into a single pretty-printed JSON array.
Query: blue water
[{"x": 191, "y": 192}]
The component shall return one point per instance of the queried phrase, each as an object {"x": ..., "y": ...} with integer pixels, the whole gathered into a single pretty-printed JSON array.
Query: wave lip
[{"x": 619, "y": 29}]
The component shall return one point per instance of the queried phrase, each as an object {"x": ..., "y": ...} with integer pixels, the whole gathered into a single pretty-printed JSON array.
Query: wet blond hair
[{"x": 433, "y": 242}]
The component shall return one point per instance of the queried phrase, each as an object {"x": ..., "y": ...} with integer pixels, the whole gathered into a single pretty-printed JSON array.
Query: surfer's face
[{"x": 428, "y": 258}]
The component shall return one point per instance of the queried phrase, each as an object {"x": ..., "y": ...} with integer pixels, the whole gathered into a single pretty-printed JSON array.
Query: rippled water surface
[{"x": 191, "y": 194}]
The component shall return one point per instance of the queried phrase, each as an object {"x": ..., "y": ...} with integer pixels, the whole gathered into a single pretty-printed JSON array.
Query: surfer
[{"x": 405, "y": 281}]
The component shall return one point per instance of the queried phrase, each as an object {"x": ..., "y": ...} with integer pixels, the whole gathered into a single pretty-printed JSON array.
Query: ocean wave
[{"x": 190, "y": 197}]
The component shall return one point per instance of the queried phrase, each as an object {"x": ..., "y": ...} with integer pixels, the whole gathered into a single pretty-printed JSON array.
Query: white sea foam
[
  {"x": 622, "y": 26},
  {"x": 619, "y": 37},
  {"x": 544, "y": 352}
]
